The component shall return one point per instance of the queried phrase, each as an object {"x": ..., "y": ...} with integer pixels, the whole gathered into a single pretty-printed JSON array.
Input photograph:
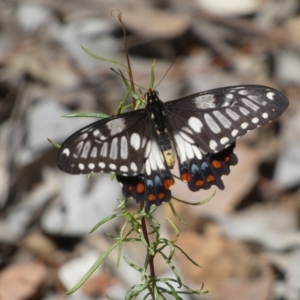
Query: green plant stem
[
  {"x": 151, "y": 258},
  {"x": 127, "y": 56},
  {"x": 145, "y": 234}
]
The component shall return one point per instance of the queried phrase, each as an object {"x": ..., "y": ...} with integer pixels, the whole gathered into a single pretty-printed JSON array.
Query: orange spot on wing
[
  {"x": 226, "y": 159},
  {"x": 186, "y": 177},
  {"x": 140, "y": 188},
  {"x": 130, "y": 188},
  {"x": 161, "y": 196},
  {"x": 216, "y": 164},
  {"x": 168, "y": 183},
  {"x": 199, "y": 183},
  {"x": 210, "y": 178},
  {"x": 151, "y": 197}
]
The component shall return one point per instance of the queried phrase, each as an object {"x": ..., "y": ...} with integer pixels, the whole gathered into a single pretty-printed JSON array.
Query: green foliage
[
  {"x": 103, "y": 58},
  {"x": 132, "y": 232},
  {"x": 53, "y": 143},
  {"x": 86, "y": 115}
]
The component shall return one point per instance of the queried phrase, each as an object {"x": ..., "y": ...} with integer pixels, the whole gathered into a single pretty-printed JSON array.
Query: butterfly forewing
[
  {"x": 115, "y": 144},
  {"x": 215, "y": 119}
]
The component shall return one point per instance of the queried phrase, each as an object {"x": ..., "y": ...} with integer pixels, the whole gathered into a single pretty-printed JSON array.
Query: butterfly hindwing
[
  {"x": 199, "y": 174},
  {"x": 158, "y": 178},
  {"x": 153, "y": 189},
  {"x": 154, "y": 185},
  {"x": 206, "y": 172}
]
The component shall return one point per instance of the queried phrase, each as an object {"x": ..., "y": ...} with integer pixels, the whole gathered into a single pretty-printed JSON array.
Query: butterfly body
[
  {"x": 156, "y": 111},
  {"x": 201, "y": 129}
]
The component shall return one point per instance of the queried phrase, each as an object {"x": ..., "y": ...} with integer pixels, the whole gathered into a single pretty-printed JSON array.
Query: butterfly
[{"x": 200, "y": 130}]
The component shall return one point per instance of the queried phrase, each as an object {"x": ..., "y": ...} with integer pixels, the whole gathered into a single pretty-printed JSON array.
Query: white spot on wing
[
  {"x": 180, "y": 147},
  {"x": 114, "y": 149},
  {"x": 148, "y": 167},
  {"x": 250, "y": 104},
  {"x": 135, "y": 141},
  {"x": 224, "y": 140},
  {"x": 94, "y": 152},
  {"x": 103, "y": 151},
  {"x": 101, "y": 165},
  {"x": 213, "y": 126},
  {"x": 124, "y": 148},
  {"x": 205, "y": 101},
  {"x": 84, "y": 136},
  {"x": 151, "y": 159},
  {"x": 270, "y": 95},
  {"x": 148, "y": 149},
  {"x": 96, "y": 132},
  {"x": 244, "y": 125},
  {"x": 243, "y": 92},
  {"x": 186, "y": 137},
  {"x": 187, "y": 130},
  {"x": 155, "y": 158},
  {"x": 244, "y": 111},
  {"x": 78, "y": 149},
  {"x": 234, "y": 116},
  {"x": 234, "y": 132},
  {"x": 133, "y": 167},
  {"x": 112, "y": 166},
  {"x": 81, "y": 166},
  {"x": 116, "y": 126},
  {"x": 188, "y": 150},
  {"x": 66, "y": 152},
  {"x": 144, "y": 140},
  {"x": 255, "y": 120},
  {"x": 91, "y": 166},
  {"x": 257, "y": 99},
  {"x": 124, "y": 169},
  {"x": 195, "y": 124},
  {"x": 265, "y": 115},
  {"x": 213, "y": 145},
  {"x": 86, "y": 149},
  {"x": 197, "y": 152},
  {"x": 225, "y": 122}
]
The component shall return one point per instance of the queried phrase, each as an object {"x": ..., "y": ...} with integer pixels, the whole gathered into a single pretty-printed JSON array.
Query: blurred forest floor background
[{"x": 247, "y": 237}]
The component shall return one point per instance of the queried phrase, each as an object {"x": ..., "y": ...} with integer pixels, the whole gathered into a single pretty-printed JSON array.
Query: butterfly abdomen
[{"x": 156, "y": 110}]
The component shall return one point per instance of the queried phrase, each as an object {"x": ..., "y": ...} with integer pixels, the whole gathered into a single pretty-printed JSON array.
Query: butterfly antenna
[{"x": 171, "y": 65}]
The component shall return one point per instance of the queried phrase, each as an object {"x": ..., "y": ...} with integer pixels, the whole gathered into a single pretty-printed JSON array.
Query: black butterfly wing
[
  {"x": 214, "y": 119},
  {"x": 207, "y": 171},
  {"x": 205, "y": 126},
  {"x": 115, "y": 144}
]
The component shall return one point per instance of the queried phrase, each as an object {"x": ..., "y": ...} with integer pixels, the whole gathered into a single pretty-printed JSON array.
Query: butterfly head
[{"x": 151, "y": 96}]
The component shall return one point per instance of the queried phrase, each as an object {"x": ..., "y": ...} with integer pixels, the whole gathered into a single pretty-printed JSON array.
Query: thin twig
[{"x": 143, "y": 220}]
